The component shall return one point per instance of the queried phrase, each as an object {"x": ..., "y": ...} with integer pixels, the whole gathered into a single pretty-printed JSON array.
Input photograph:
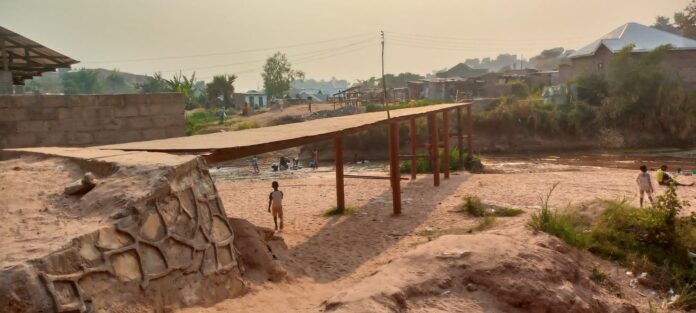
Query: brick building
[{"x": 594, "y": 58}]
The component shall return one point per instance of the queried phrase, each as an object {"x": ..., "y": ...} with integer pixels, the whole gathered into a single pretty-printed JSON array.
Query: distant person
[
  {"x": 283, "y": 163},
  {"x": 275, "y": 205},
  {"x": 644, "y": 184},
  {"x": 664, "y": 179},
  {"x": 255, "y": 164},
  {"x": 222, "y": 114},
  {"x": 314, "y": 163},
  {"x": 295, "y": 163},
  {"x": 245, "y": 109},
  {"x": 309, "y": 103}
]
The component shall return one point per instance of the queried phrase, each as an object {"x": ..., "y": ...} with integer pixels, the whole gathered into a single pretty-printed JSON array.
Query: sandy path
[{"x": 333, "y": 253}]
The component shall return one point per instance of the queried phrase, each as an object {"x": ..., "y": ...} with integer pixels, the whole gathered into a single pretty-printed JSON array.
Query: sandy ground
[
  {"x": 34, "y": 222},
  {"x": 329, "y": 254}
]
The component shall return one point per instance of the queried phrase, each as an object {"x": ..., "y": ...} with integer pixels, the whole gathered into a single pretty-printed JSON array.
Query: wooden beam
[
  {"x": 445, "y": 139},
  {"x": 394, "y": 167},
  {"x": 469, "y": 146},
  {"x": 370, "y": 177},
  {"x": 434, "y": 148},
  {"x": 460, "y": 139},
  {"x": 412, "y": 141},
  {"x": 338, "y": 157}
]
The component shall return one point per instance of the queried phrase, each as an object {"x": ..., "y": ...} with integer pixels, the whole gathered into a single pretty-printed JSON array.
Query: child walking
[
  {"x": 644, "y": 184},
  {"x": 275, "y": 205}
]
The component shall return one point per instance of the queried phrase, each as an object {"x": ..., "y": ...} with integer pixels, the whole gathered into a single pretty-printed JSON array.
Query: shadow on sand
[{"x": 345, "y": 243}]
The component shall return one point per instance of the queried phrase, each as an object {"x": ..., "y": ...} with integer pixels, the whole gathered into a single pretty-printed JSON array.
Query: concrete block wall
[
  {"x": 6, "y": 83},
  {"x": 89, "y": 120}
]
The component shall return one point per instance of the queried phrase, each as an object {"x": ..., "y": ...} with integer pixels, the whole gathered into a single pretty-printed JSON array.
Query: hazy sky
[{"x": 321, "y": 37}]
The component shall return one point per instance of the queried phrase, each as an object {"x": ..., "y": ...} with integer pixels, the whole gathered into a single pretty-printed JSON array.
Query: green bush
[
  {"x": 196, "y": 121},
  {"x": 474, "y": 206},
  {"x": 423, "y": 164},
  {"x": 653, "y": 239}
]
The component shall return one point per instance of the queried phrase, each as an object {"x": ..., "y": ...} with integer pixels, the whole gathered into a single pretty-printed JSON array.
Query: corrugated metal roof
[
  {"x": 643, "y": 38},
  {"x": 29, "y": 58}
]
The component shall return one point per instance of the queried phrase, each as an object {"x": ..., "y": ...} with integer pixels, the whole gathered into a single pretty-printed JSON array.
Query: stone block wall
[
  {"x": 88, "y": 120},
  {"x": 6, "y": 83}
]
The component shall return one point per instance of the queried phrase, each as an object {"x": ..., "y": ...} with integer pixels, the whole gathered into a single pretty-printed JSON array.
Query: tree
[
  {"x": 592, "y": 89},
  {"x": 277, "y": 75},
  {"x": 82, "y": 81},
  {"x": 185, "y": 85},
  {"x": 153, "y": 84},
  {"x": 115, "y": 83},
  {"x": 662, "y": 23},
  {"x": 222, "y": 87}
]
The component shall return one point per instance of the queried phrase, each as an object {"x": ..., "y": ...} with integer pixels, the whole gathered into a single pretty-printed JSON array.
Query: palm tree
[{"x": 222, "y": 87}]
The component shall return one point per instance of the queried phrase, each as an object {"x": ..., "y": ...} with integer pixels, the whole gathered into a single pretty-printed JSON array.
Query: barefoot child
[
  {"x": 644, "y": 184},
  {"x": 275, "y": 205}
]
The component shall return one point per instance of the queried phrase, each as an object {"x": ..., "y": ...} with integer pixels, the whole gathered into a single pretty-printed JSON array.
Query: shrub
[
  {"x": 423, "y": 164},
  {"x": 248, "y": 125},
  {"x": 563, "y": 225},
  {"x": 507, "y": 212},
  {"x": 334, "y": 211},
  {"x": 474, "y": 207}
]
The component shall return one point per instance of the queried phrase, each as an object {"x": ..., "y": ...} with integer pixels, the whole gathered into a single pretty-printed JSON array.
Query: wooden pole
[
  {"x": 412, "y": 139},
  {"x": 394, "y": 166},
  {"x": 460, "y": 138},
  {"x": 468, "y": 129},
  {"x": 434, "y": 148},
  {"x": 340, "y": 194},
  {"x": 5, "y": 56},
  {"x": 445, "y": 139}
]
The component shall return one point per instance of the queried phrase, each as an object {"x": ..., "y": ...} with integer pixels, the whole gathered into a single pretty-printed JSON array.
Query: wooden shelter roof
[
  {"x": 27, "y": 58},
  {"x": 236, "y": 144}
]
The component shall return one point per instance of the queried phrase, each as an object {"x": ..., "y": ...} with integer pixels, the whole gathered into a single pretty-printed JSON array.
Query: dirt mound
[
  {"x": 151, "y": 235},
  {"x": 482, "y": 273}
]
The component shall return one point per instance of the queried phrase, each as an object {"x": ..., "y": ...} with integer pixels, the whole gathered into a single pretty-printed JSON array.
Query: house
[
  {"x": 461, "y": 70},
  {"x": 594, "y": 58},
  {"x": 436, "y": 88},
  {"x": 252, "y": 97}
]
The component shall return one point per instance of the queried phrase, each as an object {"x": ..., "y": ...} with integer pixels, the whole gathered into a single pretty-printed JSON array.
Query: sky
[{"x": 323, "y": 38}]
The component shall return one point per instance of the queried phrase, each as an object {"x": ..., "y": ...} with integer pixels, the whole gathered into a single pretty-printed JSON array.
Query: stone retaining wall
[{"x": 89, "y": 120}]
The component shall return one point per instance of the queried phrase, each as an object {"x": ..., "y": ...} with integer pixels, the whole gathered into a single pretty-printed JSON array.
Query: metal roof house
[{"x": 594, "y": 57}]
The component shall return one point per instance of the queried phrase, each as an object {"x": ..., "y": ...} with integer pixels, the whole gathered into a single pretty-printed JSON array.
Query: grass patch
[
  {"x": 474, "y": 207},
  {"x": 653, "y": 239},
  {"x": 197, "y": 121},
  {"x": 507, "y": 212},
  {"x": 248, "y": 125},
  {"x": 334, "y": 211},
  {"x": 485, "y": 223}
]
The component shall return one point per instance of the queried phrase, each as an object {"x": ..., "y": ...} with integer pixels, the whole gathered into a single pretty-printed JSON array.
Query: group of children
[{"x": 645, "y": 182}]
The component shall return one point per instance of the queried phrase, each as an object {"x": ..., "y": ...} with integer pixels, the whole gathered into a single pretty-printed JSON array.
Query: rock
[
  {"x": 471, "y": 287},
  {"x": 454, "y": 254},
  {"x": 81, "y": 186}
]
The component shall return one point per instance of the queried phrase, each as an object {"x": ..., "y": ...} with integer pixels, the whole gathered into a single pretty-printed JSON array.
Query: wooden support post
[
  {"x": 340, "y": 194},
  {"x": 468, "y": 129},
  {"x": 434, "y": 147},
  {"x": 460, "y": 138},
  {"x": 5, "y": 56},
  {"x": 412, "y": 139},
  {"x": 445, "y": 139},
  {"x": 394, "y": 166}
]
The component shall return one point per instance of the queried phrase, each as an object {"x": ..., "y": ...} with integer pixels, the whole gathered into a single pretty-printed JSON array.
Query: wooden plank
[
  {"x": 394, "y": 170},
  {"x": 338, "y": 157},
  {"x": 416, "y": 156},
  {"x": 445, "y": 139},
  {"x": 225, "y": 146},
  {"x": 412, "y": 141}
]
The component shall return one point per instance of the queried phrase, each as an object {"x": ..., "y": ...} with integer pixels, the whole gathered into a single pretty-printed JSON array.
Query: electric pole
[{"x": 384, "y": 82}]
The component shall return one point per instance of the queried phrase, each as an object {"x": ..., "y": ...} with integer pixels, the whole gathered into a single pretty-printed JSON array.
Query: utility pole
[{"x": 384, "y": 82}]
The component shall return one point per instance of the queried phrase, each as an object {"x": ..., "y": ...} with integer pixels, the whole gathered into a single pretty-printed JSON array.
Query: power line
[
  {"x": 432, "y": 37},
  {"x": 226, "y": 52}
]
